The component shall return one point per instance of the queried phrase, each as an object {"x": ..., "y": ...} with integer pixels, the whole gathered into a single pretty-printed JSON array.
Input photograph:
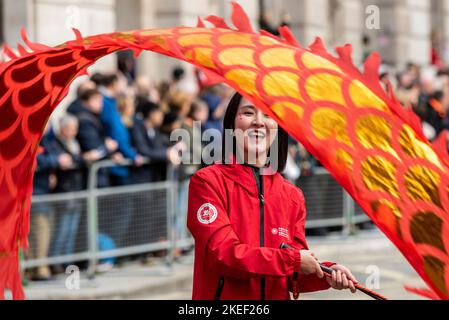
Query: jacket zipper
[
  {"x": 259, "y": 182},
  {"x": 220, "y": 287}
]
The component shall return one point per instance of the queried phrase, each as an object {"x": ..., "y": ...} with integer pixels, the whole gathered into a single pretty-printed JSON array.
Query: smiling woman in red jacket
[{"x": 240, "y": 212}]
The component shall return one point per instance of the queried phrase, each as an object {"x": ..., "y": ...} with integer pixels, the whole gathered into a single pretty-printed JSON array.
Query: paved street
[{"x": 366, "y": 254}]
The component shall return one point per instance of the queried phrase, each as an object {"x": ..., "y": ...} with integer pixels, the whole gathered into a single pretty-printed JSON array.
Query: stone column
[
  {"x": 147, "y": 63},
  {"x": 53, "y": 20},
  {"x": 440, "y": 23},
  {"x": 308, "y": 17},
  {"x": 404, "y": 33},
  {"x": 383, "y": 39},
  {"x": 413, "y": 32},
  {"x": 16, "y": 14},
  {"x": 348, "y": 27}
]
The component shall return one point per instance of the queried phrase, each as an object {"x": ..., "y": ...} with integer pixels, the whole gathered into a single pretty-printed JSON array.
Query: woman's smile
[{"x": 256, "y": 136}]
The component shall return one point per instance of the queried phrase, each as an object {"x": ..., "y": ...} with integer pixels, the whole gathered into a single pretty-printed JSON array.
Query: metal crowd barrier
[
  {"x": 138, "y": 219},
  {"x": 328, "y": 204},
  {"x": 111, "y": 222}
]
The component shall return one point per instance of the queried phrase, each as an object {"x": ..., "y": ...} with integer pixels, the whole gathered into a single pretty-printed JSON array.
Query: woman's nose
[{"x": 259, "y": 119}]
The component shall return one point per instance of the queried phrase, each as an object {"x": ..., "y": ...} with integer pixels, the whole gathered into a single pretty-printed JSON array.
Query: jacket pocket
[{"x": 220, "y": 287}]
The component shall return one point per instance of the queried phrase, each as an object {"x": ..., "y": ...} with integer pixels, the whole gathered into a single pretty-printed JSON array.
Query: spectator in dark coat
[
  {"x": 77, "y": 105},
  {"x": 41, "y": 213},
  {"x": 436, "y": 112},
  {"x": 150, "y": 143},
  {"x": 93, "y": 141},
  {"x": 68, "y": 180}
]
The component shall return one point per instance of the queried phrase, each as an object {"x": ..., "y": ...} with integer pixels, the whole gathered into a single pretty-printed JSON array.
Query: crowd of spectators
[{"x": 116, "y": 117}]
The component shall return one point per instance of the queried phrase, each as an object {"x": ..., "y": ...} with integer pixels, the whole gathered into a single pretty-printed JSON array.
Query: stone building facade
[{"x": 402, "y": 35}]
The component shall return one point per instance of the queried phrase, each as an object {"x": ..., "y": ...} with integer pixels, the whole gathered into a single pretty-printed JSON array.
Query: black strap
[{"x": 220, "y": 287}]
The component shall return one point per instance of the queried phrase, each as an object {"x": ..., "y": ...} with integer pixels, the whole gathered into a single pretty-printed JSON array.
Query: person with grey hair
[{"x": 70, "y": 178}]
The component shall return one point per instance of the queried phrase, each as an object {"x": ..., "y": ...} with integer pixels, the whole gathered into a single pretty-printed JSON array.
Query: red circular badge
[{"x": 207, "y": 213}]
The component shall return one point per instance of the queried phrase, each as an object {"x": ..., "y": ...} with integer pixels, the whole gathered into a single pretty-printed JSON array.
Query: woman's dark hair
[{"x": 229, "y": 123}]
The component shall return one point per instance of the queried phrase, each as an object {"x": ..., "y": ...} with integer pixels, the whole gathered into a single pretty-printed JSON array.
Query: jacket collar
[{"x": 244, "y": 176}]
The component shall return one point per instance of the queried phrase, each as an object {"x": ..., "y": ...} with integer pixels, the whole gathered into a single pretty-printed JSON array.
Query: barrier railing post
[
  {"x": 348, "y": 214},
  {"x": 171, "y": 214},
  {"x": 92, "y": 218}
]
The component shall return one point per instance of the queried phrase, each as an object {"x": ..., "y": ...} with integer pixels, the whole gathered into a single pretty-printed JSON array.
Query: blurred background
[{"x": 109, "y": 196}]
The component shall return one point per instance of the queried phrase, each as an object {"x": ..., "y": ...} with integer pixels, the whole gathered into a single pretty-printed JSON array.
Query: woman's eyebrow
[{"x": 249, "y": 107}]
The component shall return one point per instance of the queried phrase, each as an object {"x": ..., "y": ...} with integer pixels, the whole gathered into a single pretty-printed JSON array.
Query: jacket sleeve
[
  {"x": 115, "y": 128},
  {"x": 219, "y": 243},
  {"x": 48, "y": 159},
  {"x": 306, "y": 283},
  {"x": 89, "y": 138},
  {"x": 138, "y": 133},
  {"x": 120, "y": 134}
]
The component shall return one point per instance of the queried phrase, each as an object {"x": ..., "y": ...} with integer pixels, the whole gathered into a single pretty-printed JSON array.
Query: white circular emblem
[
  {"x": 274, "y": 231},
  {"x": 207, "y": 213}
]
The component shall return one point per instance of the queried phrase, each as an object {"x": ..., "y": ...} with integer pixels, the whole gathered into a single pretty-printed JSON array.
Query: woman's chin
[{"x": 256, "y": 152}]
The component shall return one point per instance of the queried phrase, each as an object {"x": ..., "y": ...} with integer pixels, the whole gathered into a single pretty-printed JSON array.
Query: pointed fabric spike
[
  {"x": 9, "y": 52},
  {"x": 217, "y": 22},
  {"x": 79, "y": 37},
  {"x": 345, "y": 54},
  {"x": 22, "y": 50},
  {"x": 289, "y": 36},
  {"x": 32, "y": 45},
  {"x": 318, "y": 47},
  {"x": 200, "y": 23},
  {"x": 371, "y": 69},
  {"x": 136, "y": 52},
  {"x": 240, "y": 19}
]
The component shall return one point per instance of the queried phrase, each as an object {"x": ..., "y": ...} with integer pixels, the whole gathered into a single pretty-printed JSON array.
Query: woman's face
[{"x": 255, "y": 131}]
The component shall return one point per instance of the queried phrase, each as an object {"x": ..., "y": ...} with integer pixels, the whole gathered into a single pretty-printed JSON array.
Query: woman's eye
[{"x": 248, "y": 113}]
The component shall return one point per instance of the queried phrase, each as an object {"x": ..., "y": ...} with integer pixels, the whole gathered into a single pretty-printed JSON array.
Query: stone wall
[{"x": 404, "y": 34}]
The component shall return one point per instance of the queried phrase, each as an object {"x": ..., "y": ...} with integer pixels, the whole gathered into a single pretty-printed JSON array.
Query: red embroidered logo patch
[{"x": 207, "y": 213}]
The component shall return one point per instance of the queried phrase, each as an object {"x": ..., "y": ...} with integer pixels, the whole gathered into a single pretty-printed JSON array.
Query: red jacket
[{"x": 239, "y": 227}]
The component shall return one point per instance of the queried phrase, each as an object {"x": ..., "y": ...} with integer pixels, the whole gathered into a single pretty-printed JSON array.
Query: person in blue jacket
[
  {"x": 115, "y": 129},
  {"x": 120, "y": 215}
]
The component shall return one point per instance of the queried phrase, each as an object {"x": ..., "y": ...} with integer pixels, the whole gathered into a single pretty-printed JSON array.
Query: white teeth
[{"x": 255, "y": 134}]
